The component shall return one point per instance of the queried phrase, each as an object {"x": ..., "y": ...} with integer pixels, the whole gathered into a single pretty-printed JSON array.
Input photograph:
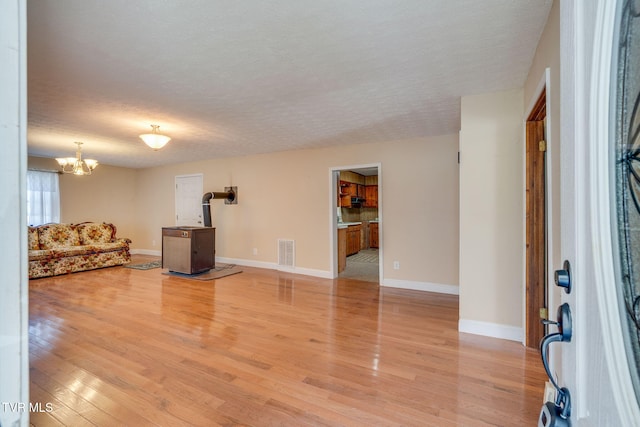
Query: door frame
[
  {"x": 333, "y": 217},
  {"x": 529, "y": 316},
  {"x": 14, "y": 304}
]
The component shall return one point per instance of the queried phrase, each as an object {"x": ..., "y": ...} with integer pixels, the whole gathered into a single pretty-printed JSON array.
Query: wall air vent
[{"x": 286, "y": 252}]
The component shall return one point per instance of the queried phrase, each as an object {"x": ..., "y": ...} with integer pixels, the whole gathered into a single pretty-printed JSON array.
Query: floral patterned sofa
[{"x": 67, "y": 248}]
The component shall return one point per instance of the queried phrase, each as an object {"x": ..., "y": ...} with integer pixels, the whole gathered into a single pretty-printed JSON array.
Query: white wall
[
  {"x": 491, "y": 209},
  {"x": 14, "y": 346},
  {"x": 288, "y": 195}
]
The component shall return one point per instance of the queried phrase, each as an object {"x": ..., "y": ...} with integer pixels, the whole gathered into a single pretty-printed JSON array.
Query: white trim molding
[
  {"x": 543, "y": 87},
  {"x": 274, "y": 266},
  {"x": 334, "y": 176},
  {"x": 421, "y": 286},
  {"x": 14, "y": 287},
  {"x": 145, "y": 252},
  {"x": 487, "y": 329}
]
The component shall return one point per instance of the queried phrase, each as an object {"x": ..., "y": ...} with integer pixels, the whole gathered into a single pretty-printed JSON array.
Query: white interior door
[
  {"x": 596, "y": 366},
  {"x": 189, "y": 200}
]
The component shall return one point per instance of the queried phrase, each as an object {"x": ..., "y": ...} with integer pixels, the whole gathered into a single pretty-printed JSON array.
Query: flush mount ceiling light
[
  {"x": 76, "y": 165},
  {"x": 154, "y": 139}
]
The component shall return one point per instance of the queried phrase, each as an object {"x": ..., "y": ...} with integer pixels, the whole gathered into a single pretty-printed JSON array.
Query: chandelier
[
  {"x": 154, "y": 139},
  {"x": 76, "y": 165}
]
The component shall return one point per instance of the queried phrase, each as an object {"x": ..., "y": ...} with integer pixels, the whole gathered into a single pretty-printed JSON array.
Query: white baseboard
[
  {"x": 145, "y": 252},
  {"x": 421, "y": 286},
  {"x": 392, "y": 283},
  {"x": 488, "y": 329},
  {"x": 273, "y": 266},
  {"x": 250, "y": 263},
  {"x": 246, "y": 262}
]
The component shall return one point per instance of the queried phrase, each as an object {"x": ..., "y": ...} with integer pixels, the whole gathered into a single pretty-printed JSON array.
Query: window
[{"x": 43, "y": 197}]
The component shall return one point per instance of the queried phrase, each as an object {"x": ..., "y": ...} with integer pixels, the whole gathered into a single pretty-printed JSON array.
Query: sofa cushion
[
  {"x": 52, "y": 236},
  {"x": 92, "y": 233},
  {"x": 41, "y": 255},
  {"x": 88, "y": 249},
  {"x": 34, "y": 244}
]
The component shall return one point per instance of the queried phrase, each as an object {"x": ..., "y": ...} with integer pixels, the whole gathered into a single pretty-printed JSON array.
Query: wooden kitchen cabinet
[
  {"x": 353, "y": 239},
  {"x": 371, "y": 196},
  {"x": 347, "y": 190},
  {"x": 373, "y": 235},
  {"x": 342, "y": 249}
]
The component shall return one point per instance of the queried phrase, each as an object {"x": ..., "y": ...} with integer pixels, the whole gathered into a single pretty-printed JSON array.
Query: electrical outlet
[
  {"x": 396, "y": 265},
  {"x": 153, "y": 243},
  {"x": 255, "y": 251}
]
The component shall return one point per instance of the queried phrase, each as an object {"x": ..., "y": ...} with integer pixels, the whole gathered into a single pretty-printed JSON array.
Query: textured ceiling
[{"x": 230, "y": 78}]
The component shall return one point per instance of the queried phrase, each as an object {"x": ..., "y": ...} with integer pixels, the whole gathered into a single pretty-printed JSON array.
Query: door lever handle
[
  {"x": 557, "y": 414},
  {"x": 565, "y": 329},
  {"x": 563, "y": 323},
  {"x": 544, "y": 346}
]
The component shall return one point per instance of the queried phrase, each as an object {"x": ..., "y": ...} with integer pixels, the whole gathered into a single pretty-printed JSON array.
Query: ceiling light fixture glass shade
[
  {"x": 154, "y": 139},
  {"x": 76, "y": 165}
]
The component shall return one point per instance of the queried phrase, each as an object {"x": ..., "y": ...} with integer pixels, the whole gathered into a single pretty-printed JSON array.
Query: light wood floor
[{"x": 119, "y": 346}]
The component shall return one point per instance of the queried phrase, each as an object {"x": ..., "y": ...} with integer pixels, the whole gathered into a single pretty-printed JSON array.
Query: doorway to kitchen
[{"x": 356, "y": 222}]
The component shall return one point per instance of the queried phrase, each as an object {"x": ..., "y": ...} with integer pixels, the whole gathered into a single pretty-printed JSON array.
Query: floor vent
[{"x": 286, "y": 252}]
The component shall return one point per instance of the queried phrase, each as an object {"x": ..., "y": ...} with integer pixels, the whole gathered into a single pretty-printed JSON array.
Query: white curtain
[{"x": 43, "y": 197}]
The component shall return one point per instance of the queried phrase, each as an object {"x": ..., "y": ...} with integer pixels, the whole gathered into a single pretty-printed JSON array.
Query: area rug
[
  {"x": 146, "y": 265},
  {"x": 220, "y": 271},
  {"x": 367, "y": 255}
]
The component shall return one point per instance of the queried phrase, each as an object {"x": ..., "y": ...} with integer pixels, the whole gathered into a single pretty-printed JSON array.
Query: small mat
[
  {"x": 220, "y": 271},
  {"x": 145, "y": 266},
  {"x": 367, "y": 256}
]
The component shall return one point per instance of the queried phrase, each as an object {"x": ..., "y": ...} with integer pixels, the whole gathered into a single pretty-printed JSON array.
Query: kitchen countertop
[{"x": 346, "y": 224}]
